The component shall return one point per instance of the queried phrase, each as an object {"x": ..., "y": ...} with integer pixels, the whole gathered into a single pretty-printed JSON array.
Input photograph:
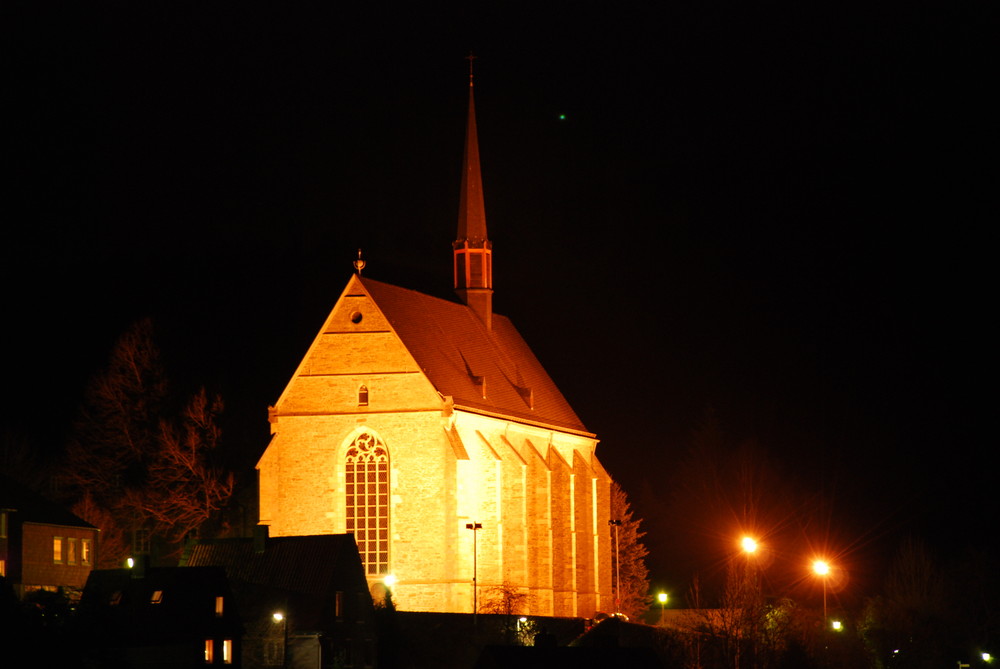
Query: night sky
[{"x": 774, "y": 216}]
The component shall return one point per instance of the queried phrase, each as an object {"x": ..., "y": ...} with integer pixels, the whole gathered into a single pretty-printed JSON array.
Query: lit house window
[
  {"x": 71, "y": 551},
  {"x": 219, "y": 603},
  {"x": 85, "y": 551},
  {"x": 157, "y": 597},
  {"x": 3, "y": 567},
  {"x": 209, "y": 651},
  {"x": 57, "y": 550},
  {"x": 227, "y": 651},
  {"x": 367, "y": 481}
]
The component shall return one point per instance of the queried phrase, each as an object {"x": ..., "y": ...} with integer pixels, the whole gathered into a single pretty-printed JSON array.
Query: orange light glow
[
  {"x": 749, "y": 545},
  {"x": 821, "y": 567}
]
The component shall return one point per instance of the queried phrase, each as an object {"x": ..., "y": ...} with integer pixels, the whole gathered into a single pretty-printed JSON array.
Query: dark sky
[{"x": 774, "y": 214}]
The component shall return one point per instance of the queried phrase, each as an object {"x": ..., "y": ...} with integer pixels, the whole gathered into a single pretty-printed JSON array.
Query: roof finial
[
  {"x": 471, "y": 57},
  {"x": 359, "y": 264}
]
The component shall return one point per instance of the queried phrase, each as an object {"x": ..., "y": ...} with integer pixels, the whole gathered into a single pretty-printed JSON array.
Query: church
[{"x": 428, "y": 429}]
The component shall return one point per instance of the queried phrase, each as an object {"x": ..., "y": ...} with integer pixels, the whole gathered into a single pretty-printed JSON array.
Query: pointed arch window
[{"x": 367, "y": 481}]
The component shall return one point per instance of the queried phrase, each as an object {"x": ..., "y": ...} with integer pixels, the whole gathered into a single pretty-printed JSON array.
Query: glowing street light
[
  {"x": 279, "y": 617},
  {"x": 749, "y": 545},
  {"x": 822, "y": 569},
  {"x": 663, "y": 602}
]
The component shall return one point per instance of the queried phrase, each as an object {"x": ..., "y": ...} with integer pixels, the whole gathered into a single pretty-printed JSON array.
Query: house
[
  {"x": 42, "y": 545},
  {"x": 315, "y": 585},
  {"x": 159, "y": 617},
  {"x": 427, "y": 429}
]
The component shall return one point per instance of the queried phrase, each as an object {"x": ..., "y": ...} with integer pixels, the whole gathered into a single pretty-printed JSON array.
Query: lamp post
[
  {"x": 280, "y": 617},
  {"x": 618, "y": 580},
  {"x": 475, "y": 527},
  {"x": 663, "y": 602},
  {"x": 822, "y": 569}
]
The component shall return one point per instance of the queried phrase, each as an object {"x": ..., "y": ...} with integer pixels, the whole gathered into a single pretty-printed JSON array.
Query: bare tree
[
  {"x": 912, "y": 621},
  {"x": 182, "y": 488},
  {"x": 508, "y": 602},
  {"x": 136, "y": 464}
]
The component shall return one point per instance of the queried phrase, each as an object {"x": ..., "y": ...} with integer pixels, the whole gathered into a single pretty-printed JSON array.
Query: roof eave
[{"x": 525, "y": 421}]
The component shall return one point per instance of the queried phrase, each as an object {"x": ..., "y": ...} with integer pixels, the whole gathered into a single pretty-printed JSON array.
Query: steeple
[{"x": 473, "y": 252}]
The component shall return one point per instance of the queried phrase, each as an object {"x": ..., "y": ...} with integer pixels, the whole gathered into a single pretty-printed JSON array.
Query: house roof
[
  {"x": 33, "y": 507},
  {"x": 155, "y": 603},
  {"x": 491, "y": 371},
  {"x": 307, "y": 564}
]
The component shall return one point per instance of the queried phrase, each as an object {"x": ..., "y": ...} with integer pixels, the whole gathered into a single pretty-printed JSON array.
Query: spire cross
[{"x": 471, "y": 57}]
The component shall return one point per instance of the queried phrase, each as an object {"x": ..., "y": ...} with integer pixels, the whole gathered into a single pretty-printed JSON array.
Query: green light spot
[{"x": 562, "y": 117}]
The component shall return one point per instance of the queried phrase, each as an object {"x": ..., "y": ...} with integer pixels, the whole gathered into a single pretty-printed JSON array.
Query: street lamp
[
  {"x": 279, "y": 617},
  {"x": 618, "y": 580},
  {"x": 663, "y": 602},
  {"x": 822, "y": 569},
  {"x": 475, "y": 527},
  {"x": 749, "y": 545}
]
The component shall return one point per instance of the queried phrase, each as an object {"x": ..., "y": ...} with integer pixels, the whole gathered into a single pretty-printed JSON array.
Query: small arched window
[{"x": 363, "y": 396}]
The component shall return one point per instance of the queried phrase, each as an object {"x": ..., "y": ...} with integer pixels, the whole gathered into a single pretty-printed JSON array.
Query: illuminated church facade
[{"x": 428, "y": 430}]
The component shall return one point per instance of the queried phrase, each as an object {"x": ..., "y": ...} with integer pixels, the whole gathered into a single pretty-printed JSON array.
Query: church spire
[{"x": 473, "y": 251}]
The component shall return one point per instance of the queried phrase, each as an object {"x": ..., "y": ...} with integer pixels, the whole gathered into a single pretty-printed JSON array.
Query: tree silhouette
[
  {"x": 628, "y": 562},
  {"x": 134, "y": 462},
  {"x": 911, "y": 623}
]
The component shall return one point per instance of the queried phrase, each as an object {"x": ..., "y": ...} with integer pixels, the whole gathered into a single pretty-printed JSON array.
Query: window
[
  {"x": 227, "y": 651},
  {"x": 3, "y": 523},
  {"x": 209, "y": 651},
  {"x": 140, "y": 541},
  {"x": 85, "y": 551},
  {"x": 157, "y": 597},
  {"x": 363, "y": 396},
  {"x": 273, "y": 652},
  {"x": 57, "y": 550},
  {"x": 219, "y": 603},
  {"x": 3, "y": 567},
  {"x": 71, "y": 551},
  {"x": 367, "y": 482}
]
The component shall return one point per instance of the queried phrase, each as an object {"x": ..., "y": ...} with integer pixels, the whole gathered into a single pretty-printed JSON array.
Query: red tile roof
[{"x": 464, "y": 360}]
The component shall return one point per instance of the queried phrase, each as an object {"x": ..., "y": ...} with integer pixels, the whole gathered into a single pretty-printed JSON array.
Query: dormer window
[
  {"x": 363, "y": 396},
  {"x": 219, "y": 603}
]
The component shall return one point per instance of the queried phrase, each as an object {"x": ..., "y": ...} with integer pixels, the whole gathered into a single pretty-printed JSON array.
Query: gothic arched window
[{"x": 367, "y": 479}]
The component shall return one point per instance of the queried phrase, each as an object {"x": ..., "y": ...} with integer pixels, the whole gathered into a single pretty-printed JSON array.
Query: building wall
[
  {"x": 39, "y": 567},
  {"x": 544, "y": 530}
]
